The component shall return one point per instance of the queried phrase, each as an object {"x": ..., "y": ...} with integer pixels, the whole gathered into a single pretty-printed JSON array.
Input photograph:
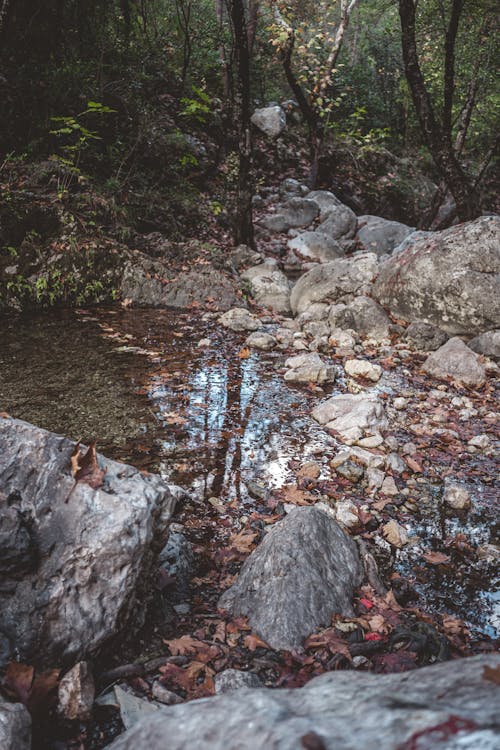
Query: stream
[{"x": 174, "y": 393}]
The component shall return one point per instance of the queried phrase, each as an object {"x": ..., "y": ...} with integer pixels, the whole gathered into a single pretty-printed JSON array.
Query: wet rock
[
  {"x": 162, "y": 695},
  {"x": 147, "y": 282},
  {"x": 315, "y": 246},
  {"x": 303, "y": 571},
  {"x": 395, "y": 534},
  {"x": 326, "y": 201},
  {"x": 487, "y": 343},
  {"x": 269, "y": 286},
  {"x": 339, "y": 223},
  {"x": 309, "y": 368},
  {"x": 456, "y": 361},
  {"x": 396, "y": 711},
  {"x": 270, "y": 120},
  {"x": 239, "y": 319},
  {"x": 363, "y": 315},
  {"x": 456, "y": 496},
  {"x": 381, "y": 236},
  {"x": 424, "y": 336},
  {"x": 451, "y": 279},
  {"x": 362, "y": 368},
  {"x": 337, "y": 281},
  {"x": 234, "y": 679},
  {"x": 76, "y": 693},
  {"x": 261, "y": 340},
  {"x": 96, "y": 548},
  {"x": 15, "y": 726},
  {"x": 351, "y": 415}
]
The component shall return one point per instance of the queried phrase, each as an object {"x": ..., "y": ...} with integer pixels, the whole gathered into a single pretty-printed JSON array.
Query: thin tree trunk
[{"x": 226, "y": 81}]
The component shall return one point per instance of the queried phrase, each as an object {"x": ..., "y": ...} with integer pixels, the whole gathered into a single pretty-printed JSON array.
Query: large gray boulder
[
  {"x": 454, "y": 360},
  {"x": 303, "y": 572},
  {"x": 270, "y": 120},
  {"x": 293, "y": 213},
  {"x": 363, "y": 315},
  {"x": 269, "y": 286},
  {"x": 82, "y": 570},
  {"x": 326, "y": 201},
  {"x": 339, "y": 222},
  {"x": 450, "y": 706},
  {"x": 352, "y": 416},
  {"x": 381, "y": 236},
  {"x": 316, "y": 247},
  {"x": 487, "y": 343},
  {"x": 15, "y": 726},
  {"x": 338, "y": 281},
  {"x": 451, "y": 279}
]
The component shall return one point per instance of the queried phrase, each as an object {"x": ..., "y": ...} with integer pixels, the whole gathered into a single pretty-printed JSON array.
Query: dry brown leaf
[
  {"x": 436, "y": 558},
  {"x": 413, "y": 465},
  {"x": 171, "y": 417},
  {"x": 4, "y": 415},
  {"x": 492, "y": 674},
  {"x": 243, "y": 542},
  {"x": 252, "y": 642},
  {"x": 186, "y": 644},
  {"x": 85, "y": 468}
]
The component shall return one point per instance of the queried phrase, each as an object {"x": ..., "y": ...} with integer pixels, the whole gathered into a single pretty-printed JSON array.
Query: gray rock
[
  {"x": 146, "y": 282},
  {"x": 451, "y": 279},
  {"x": 381, "y": 236},
  {"x": 339, "y": 223},
  {"x": 424, "y": 336},
  {"x": 309, "y": 368},
  {"x": 333, "y": 282},
  {"x": 456, "y": 496},
  {"x": 394, "y": 710},
  {"x": 270, "y": 120},
  {"x": 167, "y": 697},
  {"x": 76, "y": 693},
  {"x": 239, "y": 319},
  {"x": 94, "y": 549},
  {"x": 261, "y": 340},
  {"x": 177, "y": 558},
  {"x": 487, "y": 343},
  {"x": 243, "y": 256},
  {"x": 291, "y": 188},
  {"x": 314, "y": 246},
  {"x": 234, "y": 679},
  {"x": 303, "y": 572},
  {"x": 363, "y": 368},
  {"x": 326, "y": 201},
  {"x": 363, "y": 315},
  {"x": 269, "y": 286},
  {"x": 352, "y": 415},
  {"x": 456, "y": 361},
  {"x": 295, "y": 212},
  {"x": 15, "y": 726},
  {"x": 418, "y": 234}
]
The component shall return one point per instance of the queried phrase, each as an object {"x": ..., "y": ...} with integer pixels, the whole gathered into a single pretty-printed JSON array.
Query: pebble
[
  {"x": 362, "y": 368},
  {"x": 395, "y": 534},
  {"x": 395, "y": 463},
  {"x": 372, "y": 441},
  {"x": 161, "y": 694},
  {"x": 389, "y": 486},
  {"x": 375, "y": 478},
  {"x": 400, "y": 403},
  {"x": 204, "y": 343},
  {"x": 479, "y": 441},
  {"x": 346, "y": 514},
  {"x": 392, "y": 442},
  {"x": 456, "y": 496}
]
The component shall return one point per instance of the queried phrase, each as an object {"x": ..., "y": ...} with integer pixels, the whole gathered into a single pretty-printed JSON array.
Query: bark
[
  {"x": 438, "y": 140},
  {"x": 243, "y": 226},
  {"x": 4, "y": 10},
  {"x": 226, "y": 79}
]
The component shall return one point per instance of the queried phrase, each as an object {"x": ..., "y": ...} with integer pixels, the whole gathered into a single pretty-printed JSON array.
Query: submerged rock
[
  {"x": 92, "y": 550},
  {"x": 340, "y": 710},
  {"x": 304, "y": 570},
  {"x": 456, "y": 361}
]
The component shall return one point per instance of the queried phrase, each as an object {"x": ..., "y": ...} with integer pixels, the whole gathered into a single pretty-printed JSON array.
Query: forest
[{"x": 249, "y": 360}]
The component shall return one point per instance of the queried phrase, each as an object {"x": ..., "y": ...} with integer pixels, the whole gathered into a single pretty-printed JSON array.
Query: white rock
[
  {"x": 456, "y": 496},
  {"x": 389, "y": 486},
  {"x": 479, "y": 441},
  {"x": 309, "y": 368},
  {"x": 351, "y": 415},
  {"x": 399, "y": 403},
  {"x": 239, "y": 319},
  {"x": 347, "y": 514},
  {"x": 76, "y": 693},
  {"x": 270, "y": 120},
  {"x": 362, "y": 368}
]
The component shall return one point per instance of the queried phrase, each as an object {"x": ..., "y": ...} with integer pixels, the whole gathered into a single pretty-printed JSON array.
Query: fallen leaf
[
  {"x": 85, "y": 468},
  {"x": 186, "y": 644},
  {"x": 243, "y": 542},
  {"x": 331, "y": 640},
  {"x": 252, "y": 642},
  {"x": 436, "y": 558},
  {"x": 413, "y": 465},
  {"x": 35, "y": 691},
  {"x": 244, "y": 353},
  {"x": 171, "y": 417},
  {"x": 4, "y": 415},
  {"x": 492, "y": 674}
]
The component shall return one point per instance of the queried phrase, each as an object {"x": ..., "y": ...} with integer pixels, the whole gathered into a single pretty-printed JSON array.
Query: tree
[{"x": 438, "y": 132}]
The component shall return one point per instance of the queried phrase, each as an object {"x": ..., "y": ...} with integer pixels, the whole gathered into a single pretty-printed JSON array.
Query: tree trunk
[
  {"x": 437, "y": 135},
  {"x": 243, "y": 224},
  {"x": 4, "y": 9}
]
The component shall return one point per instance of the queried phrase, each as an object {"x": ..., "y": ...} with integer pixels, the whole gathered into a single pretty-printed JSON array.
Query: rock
[
  {"x": 339, "y": 223},
  {"x": 15, "y": 726},
  {"x": 167, "y": 697},
  {"x": 396, "y": 709},
  {"x": 346, "y": 513},
  {"x": 132, "y": 709},
  {"x": 94, "y": 549},
  {"x": 479, "y": 441},
  {"x": 372, "y": 441},
  {"x": 316, "y": 311},
  {"x": 146, "y": 282},
  {"x": 456, "y": 496},
  {"x": 291, "y": 188},
  {"x": 451, "y": 279},
  {"x": 270, "y": 120},
  {"x": 76, "y": 693},
  {"x": 456, "y": 361},
  {"x": 177, "y": 557},
  {"x": 362, "y": 368},
  {"x": 389, "y": 487},
  {"x": 304, "y": 570},
  {"x": 375, "y": 478},
  {"x": 363, "y": 315},
  {"x": 487, "y": 343},
  {"x": 351, "y": 415},
  {"x": 261, "y": 340},
  {"x": 314, "y": 246},
  {"x": 234, "y": 679},
  {"x": 243, "y": 256},
  {"x": 395, "y": 534},
  {"x": 239, "y": 319},
  {"x": 381, "y": 236},
  {"x": 424, "y": 336},
  {"x": 309, "y": 368},
  {"x": 400, "y": 403},
  {"x": 343, "y": 341},
  {"x": 333, "y": 282},
  {"x": 269, "y": 286},
  {"x": 326, "y": 201},
  {"x": 395, "y": 463}
]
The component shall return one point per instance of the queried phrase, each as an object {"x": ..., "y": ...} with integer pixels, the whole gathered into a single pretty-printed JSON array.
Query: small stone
[
  {"x": 400, "y": 403},
  {"x": 239, "y": 319},
  {"x": 395, "y": 534},
  {"x": 456, "y": 496},
  {"x": 389, "y": 486},
  {"x": 346, "y": 514},
  {"x": 395, "y": 463},
  {"x": 359, "y": 662},
  {"x": 408, "y": 449},
  {"x": 372, "y": 441},
  {"x": 339, "y": 459},
  {"x": 488, "y": 552},
  {"x": 375, "y": 478},
  {"x": 309, "y": 368},
  {"x": 392, "y": 442},
  {"x": 259, "y": 340},
  {"x": 183, "y": 608},
  {"x": 76, "y": 693},
  {"x": 234, "y": 679},
  {"x": 204, "y": 343},
  {"x": 362, "y": 368},
  {"x": 165, "y": 696},
  {"x": 479, "y": 441},
  {"x": 350, "y": 470}
]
